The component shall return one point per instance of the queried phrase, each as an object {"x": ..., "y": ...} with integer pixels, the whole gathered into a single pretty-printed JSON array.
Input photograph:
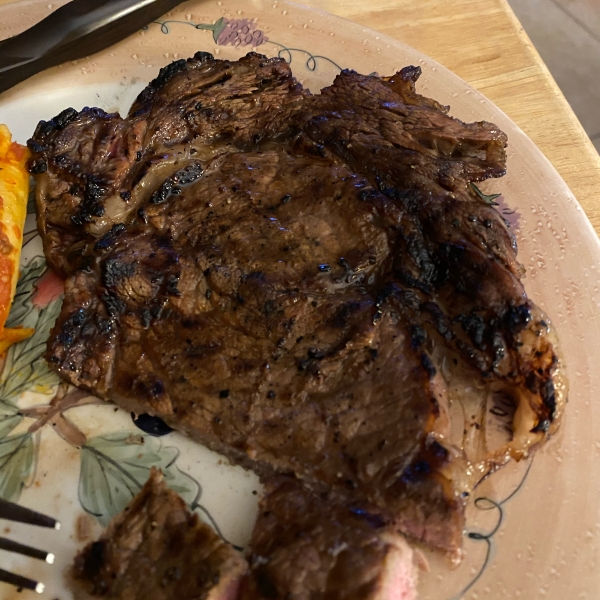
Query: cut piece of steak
[
  {"x": 157, "y": 549},
  {"x": 304, "y": 283},
  {"x": 308, "y": 547}
]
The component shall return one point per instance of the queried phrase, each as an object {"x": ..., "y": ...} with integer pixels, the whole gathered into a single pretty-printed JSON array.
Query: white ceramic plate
[{"x": 84, "y": 464}]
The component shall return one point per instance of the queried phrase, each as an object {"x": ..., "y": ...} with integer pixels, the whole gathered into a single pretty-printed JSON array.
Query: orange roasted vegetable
[{"x": 14, "y": 190}]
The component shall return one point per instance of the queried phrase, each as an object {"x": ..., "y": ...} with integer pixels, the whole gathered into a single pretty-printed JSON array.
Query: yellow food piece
[{"x": 14, "y": 191}]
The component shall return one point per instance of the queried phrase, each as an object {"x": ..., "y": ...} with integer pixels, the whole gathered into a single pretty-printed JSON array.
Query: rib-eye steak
[
  {"x": 305, "y": 283},
  {"x": 305, "y": 546},
  {"x": 157, "y": 549}
]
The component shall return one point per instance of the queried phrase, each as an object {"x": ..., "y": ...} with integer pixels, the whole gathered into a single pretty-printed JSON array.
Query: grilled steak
[
  {"x": 157, "y": 549},
  {"x": 259, "y": 358},
  {"x": 281, "y": 276},
  {"x": 306, "y": 547}
]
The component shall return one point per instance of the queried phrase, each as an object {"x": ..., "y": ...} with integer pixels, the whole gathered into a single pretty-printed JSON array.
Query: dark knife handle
[{"x": 77, "y": 29}]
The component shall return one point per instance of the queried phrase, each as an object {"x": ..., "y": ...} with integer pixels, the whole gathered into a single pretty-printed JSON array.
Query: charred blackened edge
[
  {"x": 540, "y": 380},
  {"x": 168, "y": 72},
  {"x": 164, "y": 76},
  {"x": 46, "y": 130},
  {"x": 109, "y": 239},
  {"x": 95, "y": 190},
  {"x": 430, "y": 459},
  {"x": 43, "y": 158},
  {"x": 89, "y": 566}
]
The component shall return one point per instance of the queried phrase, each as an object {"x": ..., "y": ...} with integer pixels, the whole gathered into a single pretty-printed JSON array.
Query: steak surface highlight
[
  {"x": 302, "y": 282},
  {"x": 157, "y": 549}
]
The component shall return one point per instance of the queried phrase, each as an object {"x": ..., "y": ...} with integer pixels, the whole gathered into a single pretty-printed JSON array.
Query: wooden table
[{"x": 483, "y": 42}]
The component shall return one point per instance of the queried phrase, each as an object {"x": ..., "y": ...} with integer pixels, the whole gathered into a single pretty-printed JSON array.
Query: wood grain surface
[{"x": 483, "y": 43}]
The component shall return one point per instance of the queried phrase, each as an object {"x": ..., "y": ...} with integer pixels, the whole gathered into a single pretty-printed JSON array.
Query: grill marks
[
  {"x": 156, "y": 548},
  {"x": 309, "y": 255}
]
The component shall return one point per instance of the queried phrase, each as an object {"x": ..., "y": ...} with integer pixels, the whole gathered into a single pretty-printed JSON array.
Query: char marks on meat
[
  {"x": 157, "y": 549},
  {"x": 301, "y": 282}
]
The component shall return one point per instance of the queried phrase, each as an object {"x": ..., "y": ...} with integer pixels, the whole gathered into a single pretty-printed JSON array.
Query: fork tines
[
  {"x": 12, "y": 546},
  {"x": 13, "y": 512},
  {"x": 20, "y": 514},
  {"x": 23, "y": 583}
]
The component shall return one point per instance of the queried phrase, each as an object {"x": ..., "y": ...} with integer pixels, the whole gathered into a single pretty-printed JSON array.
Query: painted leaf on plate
[
  {"x": 218, "y": 28},
  {"x": 21, "y": 306},
  {"x": 114, "y": 467},
  {"x": 25, "y": 366},
  {"x": 17, "y": 458},
  {"x": 9, "y": 419}
]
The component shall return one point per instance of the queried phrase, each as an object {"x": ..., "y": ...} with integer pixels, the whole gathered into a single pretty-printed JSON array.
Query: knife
[{"x": 75, "y": 30}]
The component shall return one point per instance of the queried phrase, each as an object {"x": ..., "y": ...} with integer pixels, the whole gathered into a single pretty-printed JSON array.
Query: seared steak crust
[
  {"x": 380, "y": 128},
  {"x": 157, "y": 549},
  {"x": 277, "y": 274},
  {"x": 95, "y": 169},
  {"x": 241, "y": 337},
  {"x": 310, "y": 547}
]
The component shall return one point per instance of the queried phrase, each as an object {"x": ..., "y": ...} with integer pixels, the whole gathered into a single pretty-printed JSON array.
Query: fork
[{"x": 13, "y": 512}]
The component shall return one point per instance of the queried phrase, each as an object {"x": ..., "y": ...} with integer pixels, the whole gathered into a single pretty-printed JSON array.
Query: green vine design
[
  {"x": 227, "y": 32},
  {"x": 487, "y": 198}
]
